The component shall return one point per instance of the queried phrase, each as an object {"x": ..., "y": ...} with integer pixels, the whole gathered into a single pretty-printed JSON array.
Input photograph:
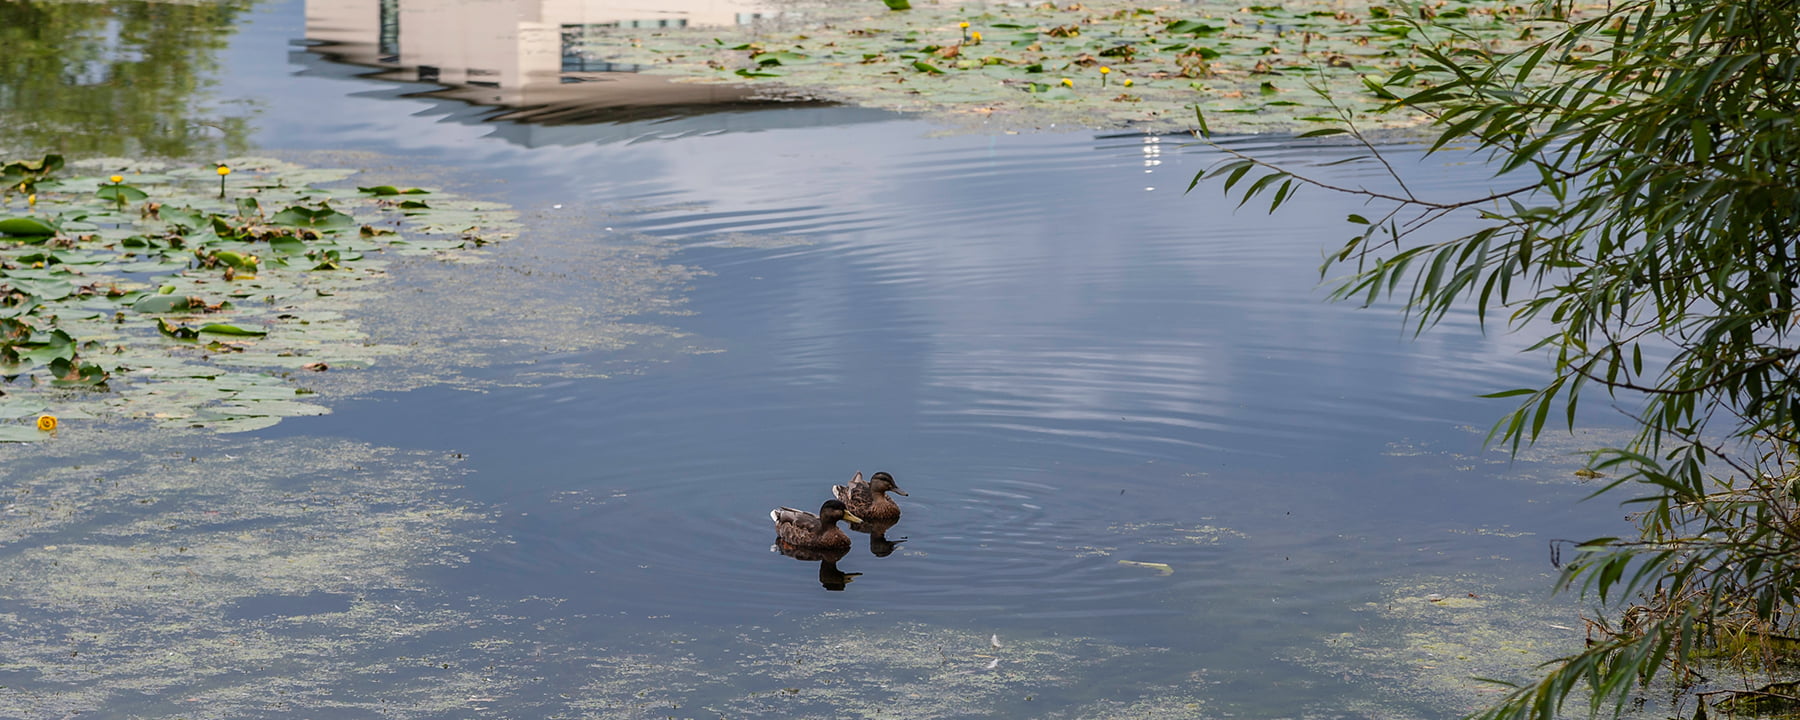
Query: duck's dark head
[
  {"x": 884, "y": 482},
  {"x": 834, "y": 510}
]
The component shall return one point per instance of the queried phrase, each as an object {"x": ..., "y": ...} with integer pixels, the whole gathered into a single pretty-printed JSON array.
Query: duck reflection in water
[
  {"x": 804, "y": 536},
  {"x": 879, "y": 544},
  {"x": 869, "y": 501},
  {"x": 829, "y": 575}
]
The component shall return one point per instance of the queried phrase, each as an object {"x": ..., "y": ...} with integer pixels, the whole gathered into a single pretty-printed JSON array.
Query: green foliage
[
  {"x": 117, "y": 78},
  {"x": 1650, "y": 238}
]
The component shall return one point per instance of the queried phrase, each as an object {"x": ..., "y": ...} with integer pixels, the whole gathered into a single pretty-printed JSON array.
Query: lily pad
[
  {"x": 1169, "y": 60},
  {"x": 22, "y": 433},
  {"x": 161, "y": 304},
  {"x": 194, "y": 266},
  {"x": 26, "y": 227},
  {"x": 223, "y": 329}
]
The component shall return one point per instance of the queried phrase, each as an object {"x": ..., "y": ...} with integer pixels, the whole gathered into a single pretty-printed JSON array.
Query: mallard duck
[
  {"x": 802, "y": 529},
  {"x": 869, "y": 499}
]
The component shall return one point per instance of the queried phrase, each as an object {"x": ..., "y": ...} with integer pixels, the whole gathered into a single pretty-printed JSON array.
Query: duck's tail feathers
[{"x": 841, "y": 492}]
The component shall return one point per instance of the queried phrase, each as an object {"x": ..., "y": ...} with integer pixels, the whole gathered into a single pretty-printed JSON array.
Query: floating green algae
[
  {"x": 194, "y": 297},
  {"x": 859, "y": 664},
  {"x": 1429, "y": 640},
  {"x": 544, "y": 307},
  {"x": 1553, "y": 459},
  {"x": 190, "y": 574},
  {"x": 181, "y": 574},
  {"x": 1104, "y": 63}
]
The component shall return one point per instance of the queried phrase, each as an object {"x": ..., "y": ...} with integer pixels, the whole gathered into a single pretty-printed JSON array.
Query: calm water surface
[{"x": 1083, "y": 376}]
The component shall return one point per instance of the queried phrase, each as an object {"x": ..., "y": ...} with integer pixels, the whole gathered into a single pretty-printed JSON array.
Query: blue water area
[{"x": 1122, "y": 410}]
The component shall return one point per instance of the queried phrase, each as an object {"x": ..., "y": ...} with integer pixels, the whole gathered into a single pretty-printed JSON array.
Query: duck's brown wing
[
  {"x": 857, "y": 490},
  {"x": 857, "y": 495},
  {"x": 796, "y": 526}
]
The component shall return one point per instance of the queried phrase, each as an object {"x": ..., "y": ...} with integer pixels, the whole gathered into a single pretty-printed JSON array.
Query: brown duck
[
  {"x": 868, "y": 499},
  {"x": 801, "y": 529}
]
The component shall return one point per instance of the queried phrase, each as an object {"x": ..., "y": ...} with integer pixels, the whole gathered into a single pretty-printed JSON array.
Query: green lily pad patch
[
  {"x": 156, "y": 296},
  {"x": 1105, "y": 63}
]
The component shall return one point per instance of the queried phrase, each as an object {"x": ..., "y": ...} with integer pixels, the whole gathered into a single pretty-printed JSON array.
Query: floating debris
[{"x": 1160, "y": 568}]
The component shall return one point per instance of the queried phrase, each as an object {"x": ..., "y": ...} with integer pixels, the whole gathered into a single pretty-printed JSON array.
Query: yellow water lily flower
[
  {"x": 223, "y": 171},
  {"x": 1068, "y": 83},
  {"x": 117, "y": 179},
  {"x": 47, "y": 423},
  {"x": 975, "y": 37},
  {"x": 1127, "y": 82}
]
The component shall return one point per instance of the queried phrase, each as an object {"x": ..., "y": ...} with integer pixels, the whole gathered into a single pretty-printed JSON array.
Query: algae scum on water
[
  {"x": 179, "y": 573},
  {"x": 198, "y": 296}
]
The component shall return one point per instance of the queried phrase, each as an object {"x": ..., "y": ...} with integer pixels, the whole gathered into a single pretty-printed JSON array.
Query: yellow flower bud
[
  {"x": 1127, "y": 82},
  {"x": 1104, "y": 70},
  {"x": 1068, "y": 83},
  {"x": 31, "y": 199},
  {"x": 117, "y": 179},
  {"x": 223, "y": 171},
  {"x": 46, "y": 423},
  {"x": 964, "y": 24},
  {"x": 976, "y": 37}
]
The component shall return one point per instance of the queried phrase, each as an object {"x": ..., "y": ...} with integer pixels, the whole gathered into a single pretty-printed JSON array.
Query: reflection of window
[
  {"x": 389, "y": 42},
  {"x": 575, "y": 56},
  {"x": 661, "y": 23},
  {"x": 428, "y": 73}
]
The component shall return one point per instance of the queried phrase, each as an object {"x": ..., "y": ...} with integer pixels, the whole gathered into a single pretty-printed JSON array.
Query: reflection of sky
[
  {"x": 1057, "y": 283},
  {"x": 1016, "y": 325},
  {"x": 1038, "y": 277}
]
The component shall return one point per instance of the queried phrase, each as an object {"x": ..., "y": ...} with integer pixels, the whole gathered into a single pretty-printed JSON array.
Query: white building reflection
[{"x": 527, "y": 55}]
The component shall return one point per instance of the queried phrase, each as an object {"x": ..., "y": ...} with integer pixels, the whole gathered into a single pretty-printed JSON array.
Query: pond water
[{"x": 1153, "y": 472}]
